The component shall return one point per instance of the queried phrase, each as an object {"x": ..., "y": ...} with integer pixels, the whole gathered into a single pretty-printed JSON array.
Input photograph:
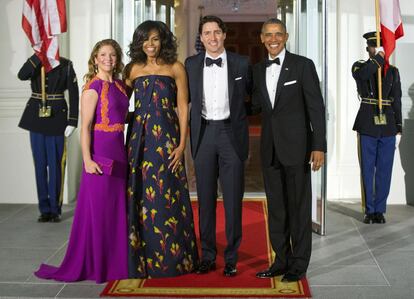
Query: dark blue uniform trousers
[
  {"x": 49, "y": 162},
  {"x": 377, "y": 156}
]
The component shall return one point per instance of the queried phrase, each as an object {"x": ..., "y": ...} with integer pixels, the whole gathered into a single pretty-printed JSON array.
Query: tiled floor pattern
[{"x": 354, "y": 260}]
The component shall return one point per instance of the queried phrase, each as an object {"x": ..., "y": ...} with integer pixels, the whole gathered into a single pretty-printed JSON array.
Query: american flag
[
  {"x": 198, "y": 46},
  {"x": 43, "y": 21}
]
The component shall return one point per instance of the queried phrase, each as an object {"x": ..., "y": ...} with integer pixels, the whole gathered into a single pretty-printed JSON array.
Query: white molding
[
  {"x": 12, "y": 102},
  {"x": 13, "y": 93}
]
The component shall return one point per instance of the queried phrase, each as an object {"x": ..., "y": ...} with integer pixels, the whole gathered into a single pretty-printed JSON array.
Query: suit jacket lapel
[
  {"x": 199, "y": 70},
  {"x": 263, "y": 86},
  {"x": 231, "y": 71},
  {"x": 283, "y": 76}
]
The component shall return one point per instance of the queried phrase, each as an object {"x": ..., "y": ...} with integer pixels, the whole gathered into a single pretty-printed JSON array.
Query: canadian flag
[
  {"x": 42, "y": 21},
  {"x": 391, "y": 25}
]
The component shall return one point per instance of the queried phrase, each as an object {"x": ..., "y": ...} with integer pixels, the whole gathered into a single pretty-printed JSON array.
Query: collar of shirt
[
  {"x": 281, "y": 58},
  {"x": 223, "y": 57}
]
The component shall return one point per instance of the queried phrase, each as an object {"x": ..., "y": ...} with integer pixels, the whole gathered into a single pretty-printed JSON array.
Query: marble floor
[{"x": 353, "y": 260}]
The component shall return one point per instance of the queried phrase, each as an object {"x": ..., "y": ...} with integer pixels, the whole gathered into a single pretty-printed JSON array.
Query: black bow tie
[
  {"x": 210, "y": 61},
  {"x": 269, "y": 62}
]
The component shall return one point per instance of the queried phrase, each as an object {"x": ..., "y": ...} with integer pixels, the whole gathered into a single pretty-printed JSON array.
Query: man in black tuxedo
[
  {"x": 218, "y": 83},
  {"x": 286, "y": 91}
]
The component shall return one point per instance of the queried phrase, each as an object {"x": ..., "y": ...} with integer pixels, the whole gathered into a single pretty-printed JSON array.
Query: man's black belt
[
  {"x": 49, "y": 97},
  {"x": 371, "y": 101},
  {"x": 215, "y": 122}
]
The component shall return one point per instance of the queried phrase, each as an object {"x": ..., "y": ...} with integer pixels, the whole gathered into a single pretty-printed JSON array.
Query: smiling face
[
  {"x": 274, "y": 38},
  {"x": 213, "y": 38},
  {"x": 152, "y": 45},
  {"x": 105, "y": 59}
]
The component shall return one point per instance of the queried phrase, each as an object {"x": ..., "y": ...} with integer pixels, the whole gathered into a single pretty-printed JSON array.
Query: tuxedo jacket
[
  {"x": 239, "y": 86},
  {"x": 295, "y": 125},
  {"x": 58, "y": 80}
]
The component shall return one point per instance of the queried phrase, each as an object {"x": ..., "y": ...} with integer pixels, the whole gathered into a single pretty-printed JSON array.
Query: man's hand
[
  {"x": 69, "y": 130},
  {"x": 317, "y": 158},
  {"x": 381, "y": 51}
]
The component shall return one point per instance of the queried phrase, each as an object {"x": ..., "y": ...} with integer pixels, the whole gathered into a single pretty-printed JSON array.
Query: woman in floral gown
[
  {"x": 161, "y": 229},
  {"x": 97, "y": 248}
]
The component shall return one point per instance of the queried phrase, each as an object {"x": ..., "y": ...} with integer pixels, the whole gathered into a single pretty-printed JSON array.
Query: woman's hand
[
  {"x": 176, "y": 157},
  {"x": 92, "y": 167}
]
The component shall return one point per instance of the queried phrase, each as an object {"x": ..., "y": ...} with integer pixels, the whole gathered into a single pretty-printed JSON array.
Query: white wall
[{"x": 347, "y": 22}]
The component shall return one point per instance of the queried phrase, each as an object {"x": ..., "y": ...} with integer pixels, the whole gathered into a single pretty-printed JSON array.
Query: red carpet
[{"x": 254, "y": 255}]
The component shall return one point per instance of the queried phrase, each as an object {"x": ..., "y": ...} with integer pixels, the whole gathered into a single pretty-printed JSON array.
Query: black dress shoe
[
  {"x": 270, "y": 273},
  {"x": 43, "y": 218},
  {"x": 369, "y": 218},
  {"x": 230, "y": 270},
  {"x": 292, "y": 277},
  {"x": 54, "y": 218},
  {"x": 379, "y": 218},
  {"x": 205, "y": 267}
]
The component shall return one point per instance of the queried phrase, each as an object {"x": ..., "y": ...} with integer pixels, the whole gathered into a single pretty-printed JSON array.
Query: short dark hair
[
  {"x": 208, "y": 19},
  {"x": 274, "y": 21},
  {"x": 168, "y": 52}
]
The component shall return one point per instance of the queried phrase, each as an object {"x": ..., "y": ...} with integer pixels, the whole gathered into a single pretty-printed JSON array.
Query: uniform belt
[
  {"x": 375, "y": 101},
  {"x": 56, "y": 96},
  {"x": 215, "y": 122}
]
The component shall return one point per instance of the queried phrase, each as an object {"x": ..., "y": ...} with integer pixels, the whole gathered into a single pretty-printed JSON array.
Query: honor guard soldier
[
  {"x": 376, "y": 128},
  {"x": 49, "y": 120}
]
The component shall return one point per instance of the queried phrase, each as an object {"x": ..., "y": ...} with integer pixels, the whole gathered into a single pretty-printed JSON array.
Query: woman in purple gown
[{"x": 97, "y": 248}]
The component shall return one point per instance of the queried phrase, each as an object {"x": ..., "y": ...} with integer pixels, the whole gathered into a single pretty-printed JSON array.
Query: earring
[{"x": 95, "y": 68}]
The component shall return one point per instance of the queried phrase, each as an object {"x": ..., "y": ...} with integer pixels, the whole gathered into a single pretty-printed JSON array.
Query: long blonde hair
[{"x": 92, "y": 70}]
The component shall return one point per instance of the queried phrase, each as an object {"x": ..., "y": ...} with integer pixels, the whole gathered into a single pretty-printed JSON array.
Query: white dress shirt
[
  {"x": 272, "y": 76},
  {"x": 215, "y": 92}
]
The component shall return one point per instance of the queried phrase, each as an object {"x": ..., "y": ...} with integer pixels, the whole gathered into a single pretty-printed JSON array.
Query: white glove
[
  {"x": 397, "y": 140},
  {"x": 379, "y": 49},
  {"x": 69, "y": 130}
]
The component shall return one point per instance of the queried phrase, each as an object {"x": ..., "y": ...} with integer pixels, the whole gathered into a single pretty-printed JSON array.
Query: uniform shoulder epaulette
[
  {"x": 357, "y": 65},
  {"x": 393, "y": 66}
]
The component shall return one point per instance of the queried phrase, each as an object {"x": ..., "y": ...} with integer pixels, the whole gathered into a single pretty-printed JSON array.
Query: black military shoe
[
  {"x": 369, "y": 218},
  {"x": 205, "y": 267},
  {"x": 230, "y": 270},
  {"x": 379, "y": 218},
  {"x": 43, "y": 218},
  {"x": 54, "y": 218}
]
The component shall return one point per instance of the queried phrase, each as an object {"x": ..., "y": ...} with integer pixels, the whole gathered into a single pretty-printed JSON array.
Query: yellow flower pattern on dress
[{"x": 161, "y": 229}]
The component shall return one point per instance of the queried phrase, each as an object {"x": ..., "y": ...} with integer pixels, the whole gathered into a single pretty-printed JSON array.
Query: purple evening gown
[{"x": 97, "y": 248}]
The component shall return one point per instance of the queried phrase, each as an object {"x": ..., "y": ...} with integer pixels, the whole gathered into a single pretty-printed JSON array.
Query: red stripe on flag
[
  {"x": 61, "y": 6},
  {"x": 42, "y": 21},
  {"x": 27, "y": 28}
]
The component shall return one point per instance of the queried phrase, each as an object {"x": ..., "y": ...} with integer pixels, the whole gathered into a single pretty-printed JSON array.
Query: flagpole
[
  {"x": 377, "y": 15},
  {"x": 43, "y": 87}
]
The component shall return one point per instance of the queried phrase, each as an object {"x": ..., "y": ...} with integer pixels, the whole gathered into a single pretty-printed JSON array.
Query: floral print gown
[{"x": 161, "y": 229}]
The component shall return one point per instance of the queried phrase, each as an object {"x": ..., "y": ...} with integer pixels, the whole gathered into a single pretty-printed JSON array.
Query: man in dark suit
[
  {"x": 47, "y": 133},
  {"x": 376, "y": 140},
  {"x": 286, "y": 91},
  {"x": 218, "y": 83}
]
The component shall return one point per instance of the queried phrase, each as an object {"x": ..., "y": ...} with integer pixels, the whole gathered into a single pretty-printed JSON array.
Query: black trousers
[
  {"x": 289, "y": 203},
  {"x": 216, "y": 158}
]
